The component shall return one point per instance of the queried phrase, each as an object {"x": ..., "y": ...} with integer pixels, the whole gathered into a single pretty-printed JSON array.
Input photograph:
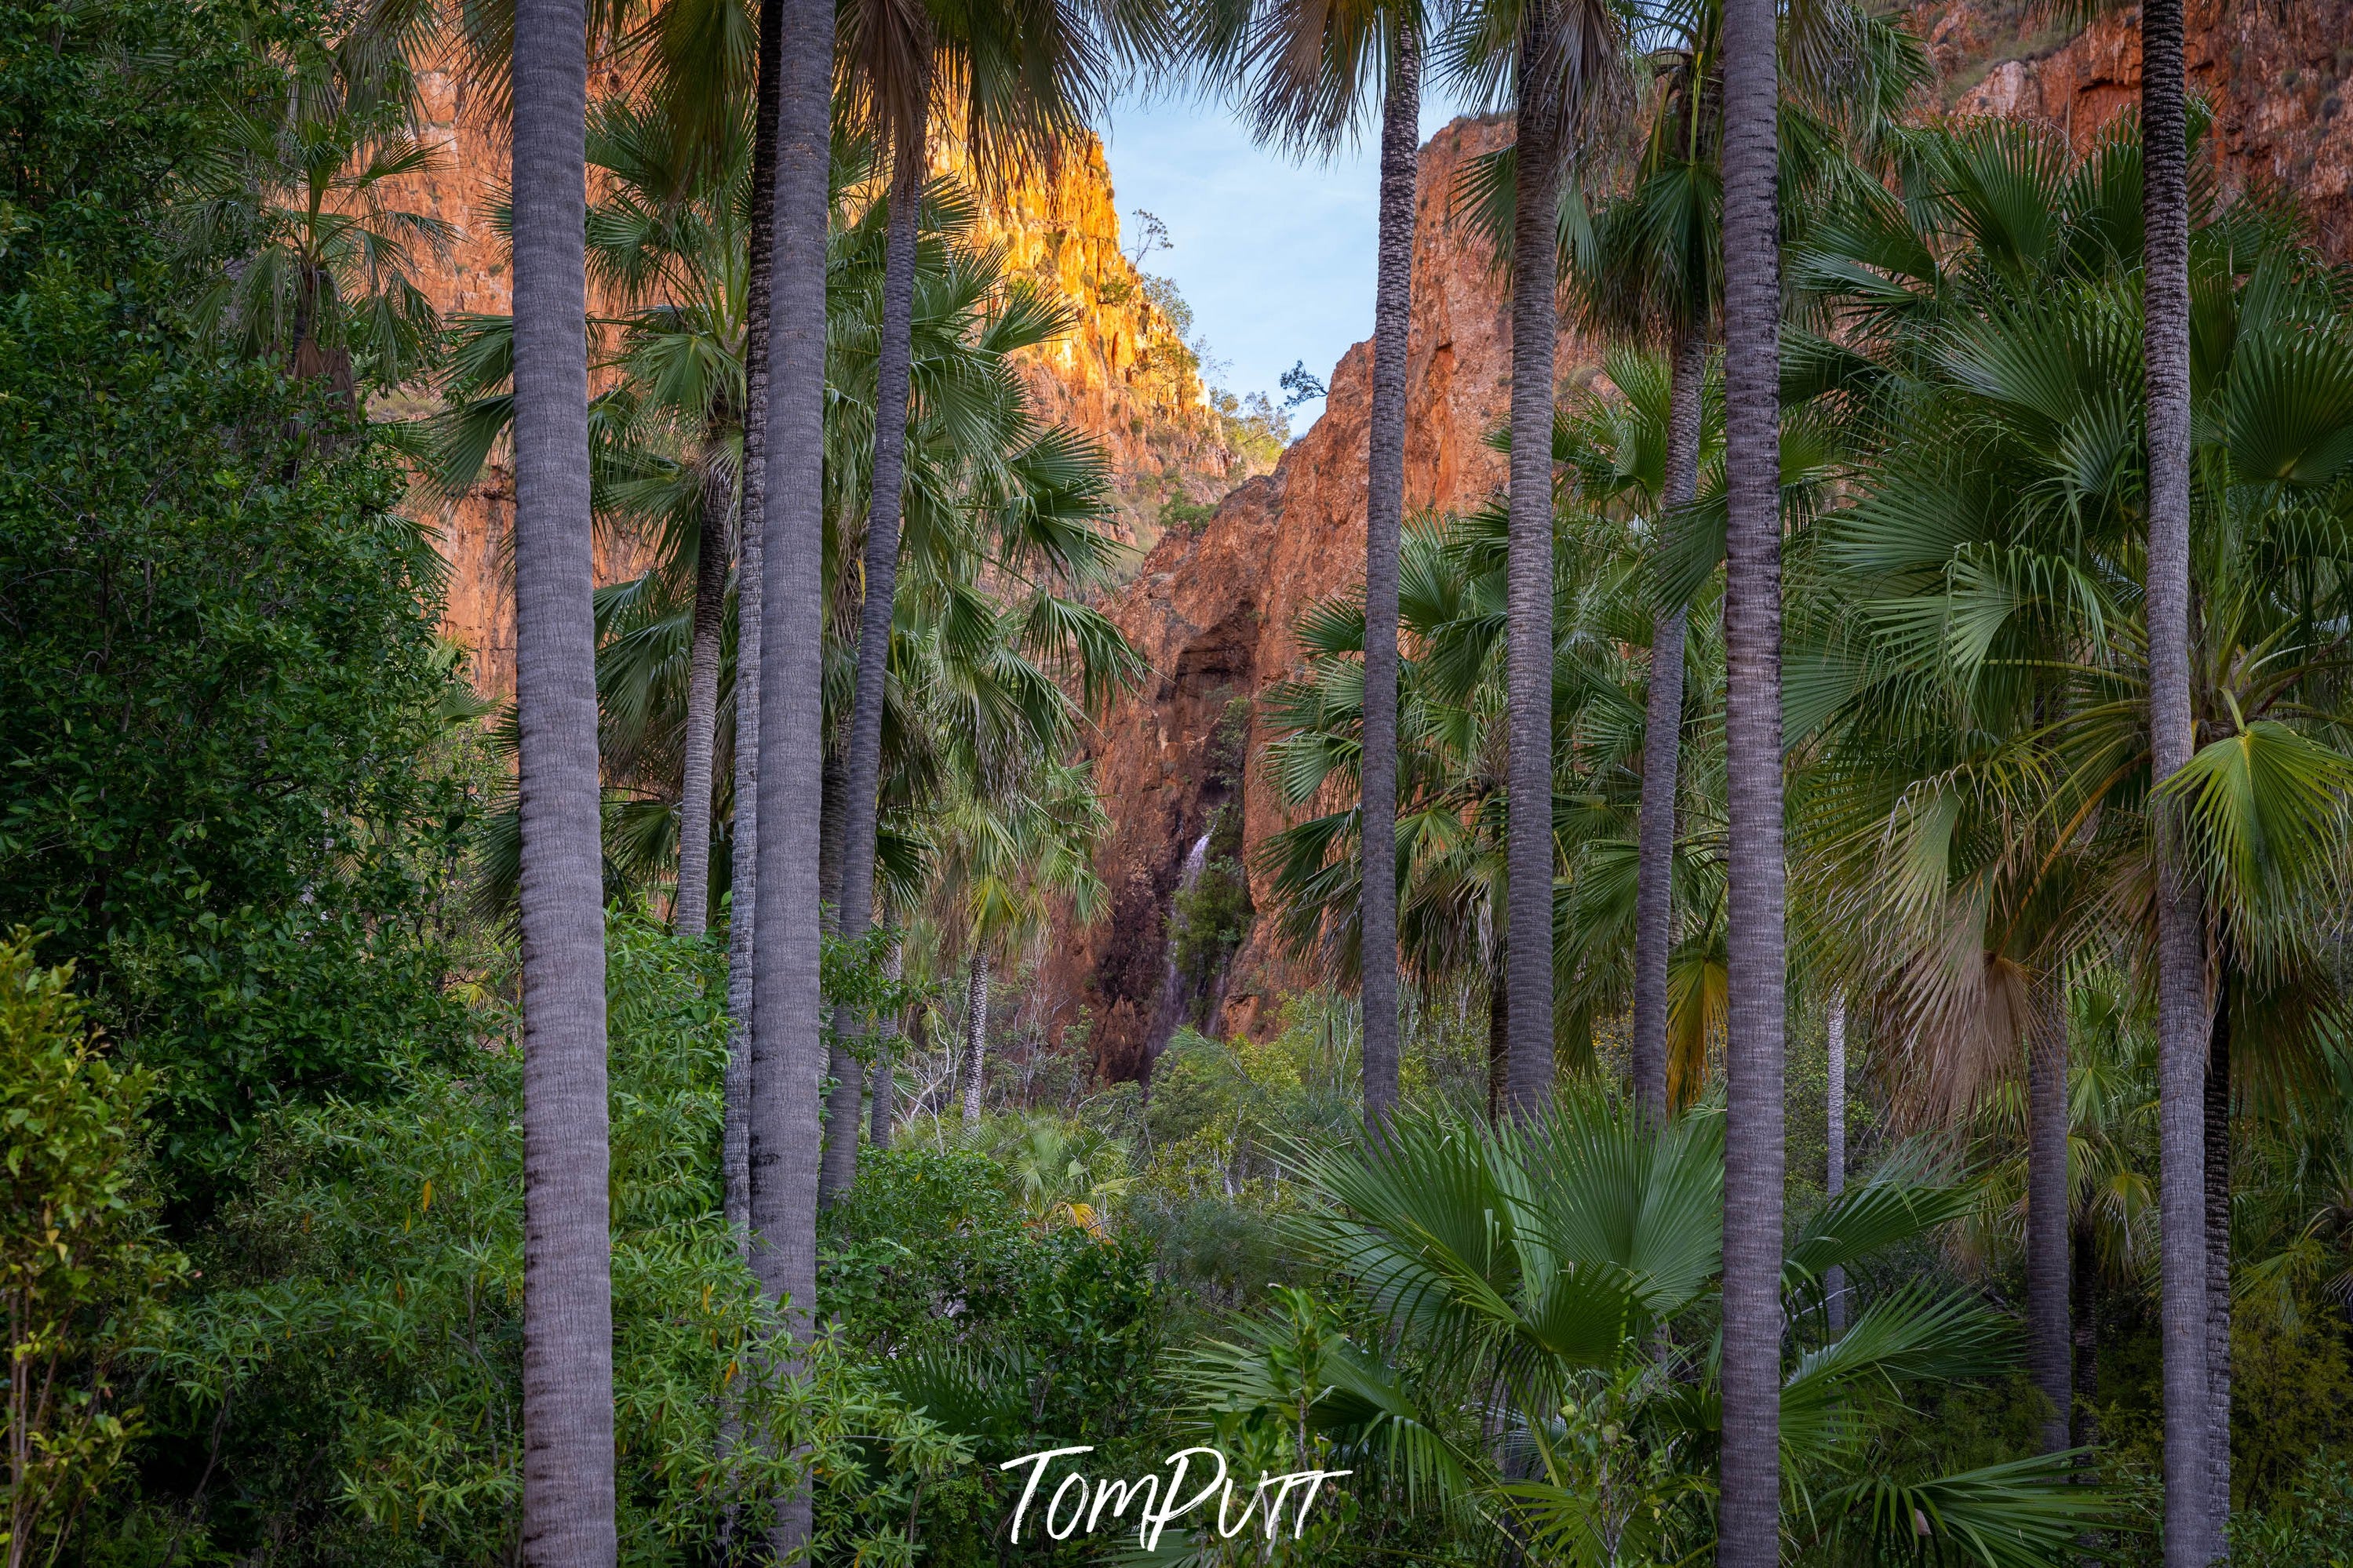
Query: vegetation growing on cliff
[{"x": 696, "y": 1222}]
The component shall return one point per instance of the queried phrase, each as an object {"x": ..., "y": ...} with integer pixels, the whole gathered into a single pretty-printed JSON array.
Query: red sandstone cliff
[
  {"x": 2274, "y": 70},
  {"x": 1122, "y": 375},
  {"x": 1213, "y": 613},
  {"x": 1213, "y": 610}
]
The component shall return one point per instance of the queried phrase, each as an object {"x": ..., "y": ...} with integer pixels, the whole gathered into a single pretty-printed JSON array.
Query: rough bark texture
[
  {"x": 833, "y": 793},
  {"x": 2085, "y": 1262},
  {"x": 567, "y": 1356},
  {"x": 975, "y": 1041},
  {"x": 2192, "y": 1533},
  {"x": 1528, "y": 849},
  {"x": 736, "y": 1141},
  {"x": 785, "y": 1039},
  {"x": 2050, "y": 1336},
  {"x": 1749, "y": 1513},
  {"x": 1834, "y": 1163},
  {"x": 1663, "y": 751},
  {"x": 864, "y": 763},
  {"x": 886, "y": 1083},
  {"x": 693, "y": 910},
  {"x": 2218, "y": 1246},
  {"x": 1384, "y": 515}
]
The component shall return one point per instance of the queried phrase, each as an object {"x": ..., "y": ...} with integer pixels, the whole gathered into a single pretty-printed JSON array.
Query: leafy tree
[
  {"x": 348, "y": 1383},
  {"x": 82, "y": 1272},
  {"x": 225, "y": 715}
]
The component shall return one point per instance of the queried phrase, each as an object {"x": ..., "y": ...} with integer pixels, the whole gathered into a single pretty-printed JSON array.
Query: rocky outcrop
[
  {"x": 2275, "y": 71},
  {"x": 1123, "y": 374},
  {"x": 1213, "y": 612}
]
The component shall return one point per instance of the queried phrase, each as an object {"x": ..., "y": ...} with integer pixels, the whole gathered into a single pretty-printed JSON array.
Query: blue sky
[{"x": 1275, "y": 257}]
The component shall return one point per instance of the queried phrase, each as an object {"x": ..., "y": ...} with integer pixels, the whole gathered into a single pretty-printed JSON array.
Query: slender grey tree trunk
[
  {"x": 1750, "y": 1512},
  {"x": 1528, "y": 586},
  {"x": 976, "y": 1048},
  {"x": 567, "y": 1358},
  {"x": 691, "y": 911},
  {"x": 865, "y": 758},
  {"x": 786, "y": 1042},
  {"x": 1383, "y": 517},
  {"x": 2192, "y": 1528},
  {"x": 1654, "y": 932},
  {"x": 2050, "y": 1336},
  {"x": 2086, "y": 1317},
  {"x": 751, "y": 521},
  {"x": 2218, "y": 1242},
  {"x": 1835, "y": 1173},
  {"x": 833, "y": 791},
  {"x": 886, "y": 1084}
]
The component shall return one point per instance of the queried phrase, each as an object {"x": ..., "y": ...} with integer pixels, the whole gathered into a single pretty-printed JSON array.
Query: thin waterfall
[{"x": 1169, "y": 1010}]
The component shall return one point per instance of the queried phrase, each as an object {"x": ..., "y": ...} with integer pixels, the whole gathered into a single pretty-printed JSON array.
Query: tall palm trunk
[
  {"x": 1384, "y": 515},
  {"x": 2218, "y": 1241},
  {"x": 692, "y": 909},
  {"x": 2050, "y": 1336},
  {"x": 735, "y": 1142},
  {"x": 885, "y": 1080},
  {"x": 2085, "y": 1263},
  {"x": 2192, "y": 1527},
  {"x": 865, "y": 759},
  {"x": 1834, "y": 1163},
  {"x": 1749, "y": 1514},
  {"x": 567, "y": 1360},
  {"x": 1528, "y": 588},
  {"x": 1662, "y": 748},
  {"x": 785, "y": 1041},
  {"x": 976, "y": 1046}
]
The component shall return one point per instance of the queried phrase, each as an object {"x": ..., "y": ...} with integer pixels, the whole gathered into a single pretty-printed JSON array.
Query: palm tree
[
  {"x": 1521, "y": 1276},
  {"x": 325, "y": 274},
  {"x": 568, "y": 1498},
  {"x": 667, "y": 234},
  {"x": 1310, "y": 72},
  {"x": 1751, "y": 1494},
  {"x": 1562, "y": 58},
  {"x": 1653, "y": 263},
  {"x": 2195, "y": 1456},
  {"x": 751, "y": 536},
  {"x": 1027, "y": 78},
  {"x": 787, "y": 1048},
  {"x": 2011, "y": 344}
]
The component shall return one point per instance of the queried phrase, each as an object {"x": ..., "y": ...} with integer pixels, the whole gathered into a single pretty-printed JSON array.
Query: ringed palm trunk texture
[
  {"x": 1662, "y": 751},
  {"x": 2192, "y": 1523},
  {"x": 567, "y": 1361},
  {"x": 1749, "y": 1513},
  {"x": 976, "y": 1049},
  {"x": 886, "y": 1083},
  {"x": 1834, "y": 1162},
  {"x": 1528, "y": 591},
  {"x": 735, "y": 1146},
  {"x": 865, "y": 759},
  {"x": 2218, "y": 1243},
  {"x": 1383, "y": 517},
  {"x": 2050, "y": 1336},
  {"x": 2087, "y": 1317},
  {"x": 787, "y": 1055},
  {"x": 692, "y": 909}
]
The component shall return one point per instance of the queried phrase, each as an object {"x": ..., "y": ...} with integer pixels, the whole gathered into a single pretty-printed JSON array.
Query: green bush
[
  {"x": 221, "y": 702},
  {"x": 81, "y": 1272},
  {"x": 347, "y": 1387},
  {"x": 1013, "y": 1333}
]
